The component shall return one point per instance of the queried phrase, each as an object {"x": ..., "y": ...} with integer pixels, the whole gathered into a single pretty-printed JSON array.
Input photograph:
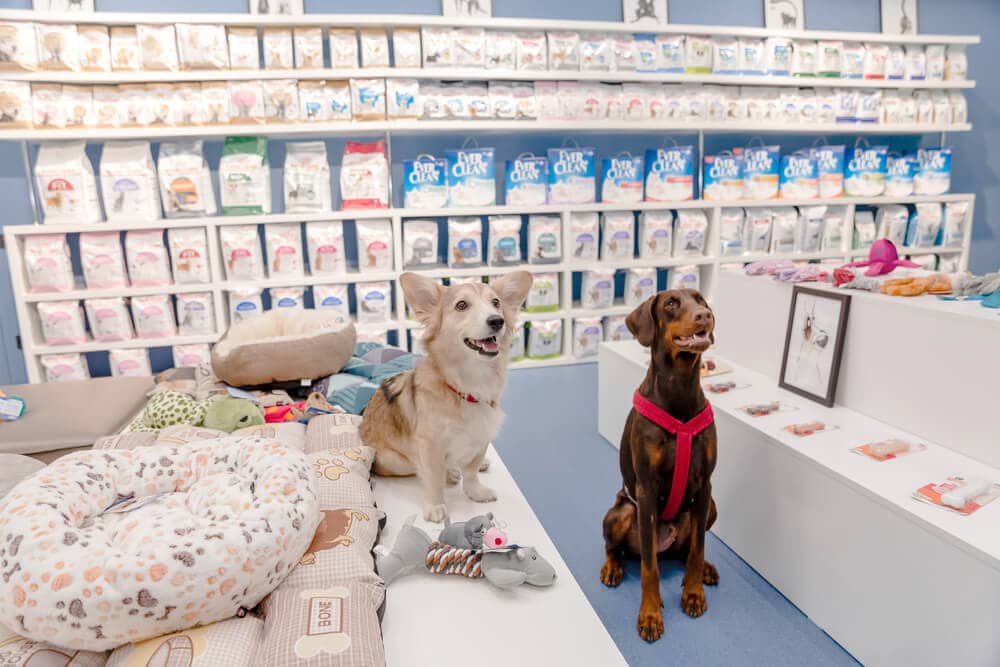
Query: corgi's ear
[
  {"x": 422, "y": 294},
  {"x": 513, "y": 288},
  {"x": 642, "y": 321}
]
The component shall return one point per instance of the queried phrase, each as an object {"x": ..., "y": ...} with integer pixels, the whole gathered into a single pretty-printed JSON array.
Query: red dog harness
[{"x": 685, "y": 432}]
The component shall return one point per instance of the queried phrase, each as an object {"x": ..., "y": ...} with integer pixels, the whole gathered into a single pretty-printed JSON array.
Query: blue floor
[{"x": 569, "y": 474}]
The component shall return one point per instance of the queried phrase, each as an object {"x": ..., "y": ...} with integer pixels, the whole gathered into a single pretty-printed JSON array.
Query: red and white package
[
  {"x": 364, "y": 176},
  {"x": 886, "y": 450},
  {"x": 964, "y": 495}
]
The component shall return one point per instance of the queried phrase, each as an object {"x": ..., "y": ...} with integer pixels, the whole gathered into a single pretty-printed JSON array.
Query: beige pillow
[
  {"x": 337, "y": 431},
  {"x": 235, "y": 642}
]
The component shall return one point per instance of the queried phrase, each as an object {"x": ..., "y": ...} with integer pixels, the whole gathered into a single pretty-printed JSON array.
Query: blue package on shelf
[
  {"x": 525, "y": 180},
  {"x": 864, "y": 174},
  {"x": 670, "y": 173},
  {"x": 646, "y": 59},
  {"x": 621, "y": 179},
  {"x": 723, "y": 177},
  {"x": 471, "y": 177},
  {"x": 829, "y": 170},
  {"x": 933, "y": 175},
  {"x": 424, "y": 184},
  {"x": 571, "y": 176},
  {"x": 761, "y": 165},
  {"x": 799, "y": 176},
  {"x": 900, "y": 170}
]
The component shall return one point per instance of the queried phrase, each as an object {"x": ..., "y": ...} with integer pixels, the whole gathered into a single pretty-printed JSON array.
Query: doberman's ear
[{"x": 642, "y": 321}]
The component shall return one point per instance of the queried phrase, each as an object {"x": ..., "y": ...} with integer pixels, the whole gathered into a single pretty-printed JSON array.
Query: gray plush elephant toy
[
  {"x": 506, "y": 568},
  {"x": 466, "y": 534}
]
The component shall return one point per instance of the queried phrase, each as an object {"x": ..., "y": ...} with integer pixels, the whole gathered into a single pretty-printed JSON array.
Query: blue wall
[{"x": 974, "y": 151}]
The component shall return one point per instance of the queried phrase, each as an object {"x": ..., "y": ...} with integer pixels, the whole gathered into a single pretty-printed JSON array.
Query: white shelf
[
  {"x": 84, "y": 293},
  {"x": 562, "y": 360},
  {"x": 305, "y": 281},
  {"x": 96, "y": 346}
]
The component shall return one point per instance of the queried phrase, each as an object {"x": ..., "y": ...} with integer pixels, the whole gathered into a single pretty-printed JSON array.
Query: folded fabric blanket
[{"x": 372, "y": 364}]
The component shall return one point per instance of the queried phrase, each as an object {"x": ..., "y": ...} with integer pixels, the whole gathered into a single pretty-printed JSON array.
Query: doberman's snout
[
  {"x": 703, "y": 317},
  {"x": 494, "y": 322}
]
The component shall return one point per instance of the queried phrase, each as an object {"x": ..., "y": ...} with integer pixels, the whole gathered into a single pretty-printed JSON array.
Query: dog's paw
[
  {"x": 435, "y": 513},
  {"x": 484, "y": 466},
  {"x": 612, "y": 572},
  {"x": 480, "y": 493},
  {"x": 650, "y": 624},
  {"x": 693, "y": 603},
  {"x": 454, "y": 476},
  {"x": 709, "y": 575}
]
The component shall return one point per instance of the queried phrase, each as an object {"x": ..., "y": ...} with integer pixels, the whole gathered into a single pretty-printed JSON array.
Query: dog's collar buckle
[{"x": 469, "y": 398}]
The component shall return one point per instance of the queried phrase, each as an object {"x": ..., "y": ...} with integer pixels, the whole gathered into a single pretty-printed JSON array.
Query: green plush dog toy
[{"x": 225, "y": 413}]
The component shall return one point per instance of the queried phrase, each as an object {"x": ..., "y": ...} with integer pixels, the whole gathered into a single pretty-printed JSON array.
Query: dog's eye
[
  {"x": 496, "y": 303},
  {"x": 461, "y": 305},
  {"x": 673, "y": 303}
]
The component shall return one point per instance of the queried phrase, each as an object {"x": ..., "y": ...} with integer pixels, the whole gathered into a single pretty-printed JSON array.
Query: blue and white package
[
  {"x": 924, "y": 225},
  {"x": 525, "y": 180},
  {"x": 571, "y": 176},
  {"x": 471, "y": 177},
  {"x": 864, "y": 174},
  {"x": 761, "y": 165},
  {"x": 646, "y": 59},
  {"x": 799, "y": 176},
  {"x": 670, "y": 51},
  {"x": 829, "y": 170},
  {"x": 900, "y": 170},
  {"x": 424, "y": 182},
  {"x": 723, "y": 177},
  {"x": 933, "y": 175},
  {"x": 621, "y": 179},
  {"x": 670, "y": 174}
]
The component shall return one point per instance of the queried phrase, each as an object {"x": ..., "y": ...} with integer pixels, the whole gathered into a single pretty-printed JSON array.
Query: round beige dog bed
[{"x": 283, "y": 344}]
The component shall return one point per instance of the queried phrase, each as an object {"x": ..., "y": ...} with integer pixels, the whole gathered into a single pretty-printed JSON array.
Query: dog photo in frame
[
  {"x": 784, "y": 15},
  {"x": 644, "y": 12},
  {"x": 467, "y": 8},
  {"x": 814, "y": 343}
]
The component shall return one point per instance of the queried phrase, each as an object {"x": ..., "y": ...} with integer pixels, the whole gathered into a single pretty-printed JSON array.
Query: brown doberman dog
[{"x": 677, "y": 326}]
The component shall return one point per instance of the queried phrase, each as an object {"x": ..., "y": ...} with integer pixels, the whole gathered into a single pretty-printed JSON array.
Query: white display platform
[
  {"x": 894, "y": 580},
  {"x": 924, "y": 364},
  {"x": 446, "y": 620}
]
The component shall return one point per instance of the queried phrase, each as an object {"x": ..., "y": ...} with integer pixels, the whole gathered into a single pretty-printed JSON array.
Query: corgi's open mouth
[
  {"x": 695, "y": 342},
  {"x": 485, "y": 346}
]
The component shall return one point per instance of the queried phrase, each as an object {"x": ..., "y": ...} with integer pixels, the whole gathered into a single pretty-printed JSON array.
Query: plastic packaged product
[
  {"x": 284, "y": 249},
  {"x": 955, "y": 221},
  {"x": 471, "y": 177},
  {"x": 158, "y": 47},
  {"x": 924, "y": 225},
  {"x": 189, "y": 255},
  {"x": 778, "y": 56},
  {"x": 465, "y": 241},
  {"x": 374, "y": 302},
  {"x": 531, "y": 51},
  {"x": 634, "y": 101},
  {"x": 864, "y": 174},
  {"x": 501, "y": 50},
  {"x": 245, "y": 176},
  {"x": 65, "y": 367},
  {"x": 504, "y": 239},
  {"x": 935, "y": 62},
  {"x": 803, "y": 58},
  {"x": 195, "y": 314},
  {"x": 544, "y": 239},
  {"x": 469, "y": 47},
  {"x": 438, "y": 46},
  {"x": 543, "y": 296},
  {"x": 829, "y": 170},
  {"x": 185, "y": 180},
  {"x": 942, "y": 107},
  {"x": 892, "y": 107},
  {"x": 134, "y": 105},
  {"x": 698, "y": 56},
  {"x": 312, "y": 102},
  {"x": 869, "y": 106},
  {"x": 624, "y": 58},
  {"x": 525, "y": 104},
  {"x": 723, "y": 176},
  {"x": 47, "y": 263},
  {"x": 752, "y": 59},
  {"x": 364, "y": 176},
  {"x": 403, "y": 99},
  {"x": 287, "y": 297},
  {"x": 669, "y": 53},
  {"x": 640, "y": 284},
  {"x": 102, "y": 260},
  {"x": 595, "y": 53},
  {"x": 656, "y": 99},
  {"x": 685, "y": 277},
  {"x": 129, "y": 363},
  {"x": 597, "y": 289},
  {"x": 647, "y": 55},
  {"x": 568, "y": 96},
  {"x": 244, "y": 51},
  {"x": 424, "y": 183},
  {"x": 190, "y": 107},
  {"x": 501, "y": 99},
  {"x": 761, "y": 165},
  {"x": 279, "y": 48},
  {"x": 622, "y": 179},
  {"x": 128, "y": 181},
  {"x": 325, "y": 244},
  {"x": 61, "y": 322},
  {"x": 66, "y": 184},
  {"x": 959, "y": 107},
  {"x": 343, "y": 48},
  {"x": 810, "y": 231},
  {"x": 16, "y": 104},
  {"x": 731, "y": 231},
  {"x": 195, "y": 354},
  {"x": 333, "y": 298},
  {"x": 758, "y": 229},
  {"x": 547, "y": 101},
  {"x": 586, "y": 336},
  {"x": 338, "y": 99},
  {"x": 564, "y": 50},
  {"x": 852, "y": 60},
  {"x": 891, "y": 222},
  {"x": 571, "y": 176},
  {"x": 916, "y": 62},
  {"x": 612, "y": 100},
  {"x": 246, "y": 101},
  {"x": 690, "y": 232},
  {"x": 374, "y": 246},
  {"x": 78, "y": 106},
  {"x": 847, "y": 105},
  {"x": 281, "y": 100},
  {"x": 153, "y": 316},
  {"x": 244, "y": 304},
  {"x": 895, "y": 63},
  {"x": 615, "y": 329},
  {"x": 670, "y": 174},
  {"x": 799, "y": 176},
  {"x": 584, "y": 230},
  {"x": 864, "y": 229},
  {"x": 420, "y": 243},
  {"x": 308, "y": 47},
  {"x": 655, "y": 232},
  {"x": 829, "y": 56},
  {"x": 618, "y": 236},
  {"x": 18, "y": 50},
  {"x": 241, "y": 252},
  {"x": 725, "y": 55},
  {"x": 307, "y": 177},
  {"x": 148, "y": 263},
  {"x": 58, "y": 46},
  {"x": 525, "y": 180},
  {"x": 925, "y": 107},
  {"x": 368, "y": 99},
  {"x": 784, "y": 221},
  {"x": 203, "y": 46},
  {"x": 95, "y": 48},
  {"x": 544, "y": 339},
  {"x": 791, "y": 106},
  {"x": 900, "y": 170},
  {"x": 374, "y": 48},
  {"x": 833, "y": 228}
]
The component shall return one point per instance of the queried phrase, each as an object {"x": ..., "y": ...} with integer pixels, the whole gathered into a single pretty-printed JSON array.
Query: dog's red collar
[
  {"x": 685, "y": 432},
  {"x": 469, "y": 398}
]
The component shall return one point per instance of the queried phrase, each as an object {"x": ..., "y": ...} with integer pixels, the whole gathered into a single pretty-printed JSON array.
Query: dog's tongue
[{"x": 488, "y": 344}]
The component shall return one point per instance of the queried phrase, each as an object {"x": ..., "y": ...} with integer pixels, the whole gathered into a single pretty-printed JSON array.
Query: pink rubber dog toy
[
  {"x": 882, "y": 259},
  {"x": 494, "y": 538}
]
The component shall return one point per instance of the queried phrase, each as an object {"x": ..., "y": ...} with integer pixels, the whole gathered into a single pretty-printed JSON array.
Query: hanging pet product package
[
  {"x": 185, "y": 180},
  {"x": 465, "y": 242},
  {"x": 188, "y": 255},
  {"x": 670, "y": 174},
  {"x": 544, "y": 239},
  {"x": 245, "y": 176},
  {"x": 364, "y": 176},
  {"x": 544, "y": 339},
  {"x": 420, "y": 243},
  {"x": 525, "y": 180},
  {"x": 66, "y": 183},
  {"x": 505, "y": 240},
  {"x": 586, "y": 336},
  {"x": 307, "y": 178},
  {"x": 325, "y": 242},
  {"x": 471, "y": 177},
  {"x": 571, "y": 176},
  {"x": 424, "y": 184},
  {"x": 128, "y": 181},
  {"x": 543, "y": 296}
]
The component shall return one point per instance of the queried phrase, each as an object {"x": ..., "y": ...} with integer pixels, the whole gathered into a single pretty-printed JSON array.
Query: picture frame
[
  {"x": 644, "y": 12},
  {"x": 784, "y": 15},
  {"x": 814, "y": 343},
  {"x": 277, "y": 7},
  {"x": 899, "y": 17},
  {"x": 467, "y": 8}
]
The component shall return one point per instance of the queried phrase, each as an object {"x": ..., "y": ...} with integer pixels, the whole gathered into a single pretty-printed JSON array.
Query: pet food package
[
  {"x": 58, "y": 46},
  {"x": 195, "y": 314},
  {"x": 501, "y": 100},
  {"x": 102, "y": 260},
  {"x": 420, "y": 243},
  {"x": 852, "y": 60},
  {"x": 544, "y": 239},
  {"x": 148, "y": 261},
  {"x": 287, "y": 297},
  {"x": 284, "y": 250},
  {"x": 374, "y": 48},
  {"x": 615, "y": 329},
  {"x": 95, "y": 48},
  {"x": 761, "y": 166},
  {"x": 725, "y": 55},
  {"x": 374, "y": 302},
  {"x": 876, "y": 56},
  {"x": 403, "y": 99},
  {"x": 62, "y": 322},
  {"x": 343, "y": 48},
  {"x": 471, "y": 177},
  {"x": 246, "y": 101},
  {"x": 799, "y": 176},
  {"x": 803, "y": 58},
  {"x": 622, "y": 179},
  {"x": 125, "y": 52},
  {"x": 864, "y": 229},
  {"x": 374, "y": 246},
  {"x": 778, "y": 56},
  {"x": 424, "y": 183},
  {"x": 244, "y": 50},
  {"x": 685, "y": 277},
  {"x": 955, "y": 221},
  {"x": 129, "y": 363},
  {"x": 128, "y": 181},
  {"x": 544, "y": 339},
  {"x": 895, "y": 64},
  {"x": 647, "y": 55},
  {"x": 405, "y": 47},
  {"x": 900, "y": 171},
  {"x": 307, "y": 177},
  {"x": 158, "y": 47},
  {"x": 47, "y": 263},
  {"x": 437, "y": 44},
  {"x": 333, "y": 298},
  {"x": 731, "y": 231},
  {"x": 623, "y": 53},
  {"x": 829, "y": 170},
  {"x": 109, "y": 320},
  {"x": 933, "y": 174},
  {"x": 531, "y": 51},
  {"x": 936, "y": 62},
  {"x": 784, "y": 225},
  {"x": 244, "y": 304},
  {"x": 584, "y": 232},
  {"x": 564, "y": 50},
  {"x": 810, "y": 230},
  {"x": 525, "y": 180},
  {"x": 618, "y": 236},
  {"x": 16, "y": 104},
  {"x": 66, "y": 184},
  {"x": 202, "y": 46},
  {"x": 245, "y": 176},
  {"x": 595, "y": 53},
  {"x": 924, "y": 224},
  {"x": 956, "y": 64},
  {"x": 78, "y": 106},
  {"x": 504, "y": 239},
  {"x": 65, "y": 367},
  {"x": 281, "y": 101},
  {"x": 670, "y": 174},
  {"x": 916, "y": 62},
  {"x": 543, "y": 296},
  {"x": 640, "y": 284},
  {"x": 241, "y": 252},
  {"x": 312, "y": 101},
  {"x": 501, "y": 50},
  {"x": 752, "y": 59},
  {"x": 308, "y": 47},
  {"x": 364, "y": 176},
  {"x": 757, "y": 230},
  {"x": 655, "y": 232},
  {"x": 517, "y": 342},
  {"x": 690, "y": 232},
  {"x": 571, "y": 176},
  {"x": 833, "y": 228},
  {"x": 597, "y": 289},
  {"x": 465, "y": 242},
  {"x": 587, "y": 335},
  {"x": 185, "y": 180},
  {"x": 723, "y": 177},
  {"x": 196, "y": 354},
  {"x": 864, "y": 173},
  {"x": 469, "y": 47},
  {"x": 368, "y": 99},
  {"x": 153, "y": 316},
  {"x": 325, "y": 244},
  {"x": 18, "y": 46},
  {"x": 698, "y": 56}
]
